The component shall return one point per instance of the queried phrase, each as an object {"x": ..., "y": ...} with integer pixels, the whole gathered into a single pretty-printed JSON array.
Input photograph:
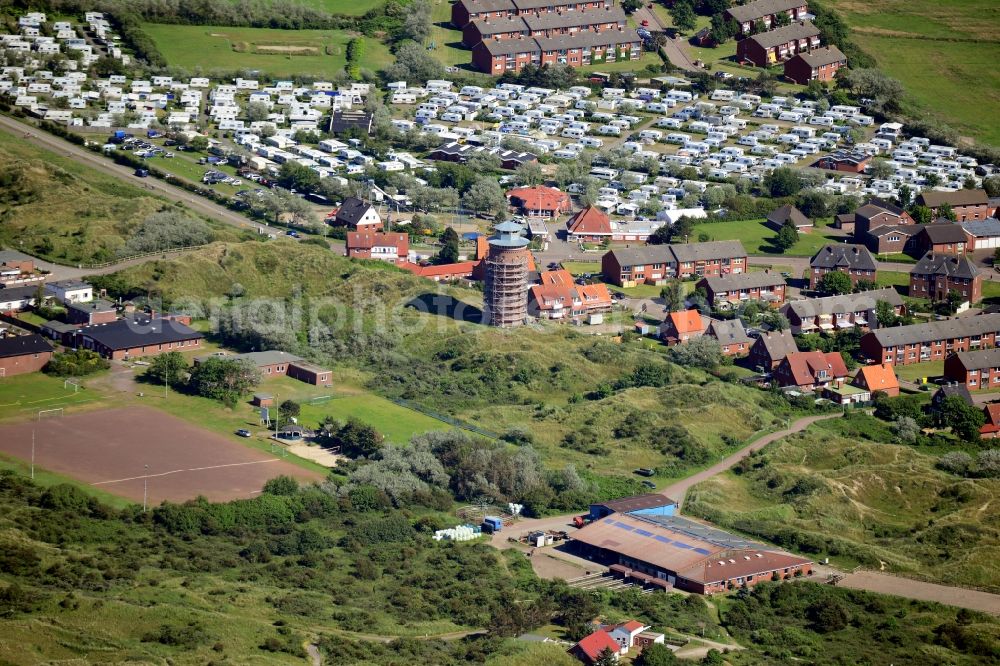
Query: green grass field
[
  {"x": 397, "y": 423},
  {"x": 319, "y": 53},
  {"x": 757, "y": 237},
  {"x": 918, "y": 371},
  {"x": 945, "y": 53},
  {"x": 348, "y": 7},
  {"x": 23, "y": 396}
]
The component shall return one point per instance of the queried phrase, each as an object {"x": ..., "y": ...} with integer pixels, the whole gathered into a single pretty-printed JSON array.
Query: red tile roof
[
  {"x": 539, "y": 198},
  {"x": 590, "y": 220},
  {"x": 442, "y": 272},
  {"x": 803, "y": 368},
  {"x": 686, "y": 321},
  {"x": 558, "y": 288},
  {"x": 877, "y": 377},
  {"x": 632, "y": 625},
  {"x": 992, "y": 425},
  {"x": 366, "y": 240},
  {"x": 593, "y": 645}
]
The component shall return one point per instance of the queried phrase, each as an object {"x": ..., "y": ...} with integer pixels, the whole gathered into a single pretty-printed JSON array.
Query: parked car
[
  {"x": 141, "y": 173},
  {"x": 243, "y": 432},
  {"x": 645, "y": 471}
]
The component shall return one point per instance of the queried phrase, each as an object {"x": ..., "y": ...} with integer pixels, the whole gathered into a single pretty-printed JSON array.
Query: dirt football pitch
[{"x": 108, "y": 449}]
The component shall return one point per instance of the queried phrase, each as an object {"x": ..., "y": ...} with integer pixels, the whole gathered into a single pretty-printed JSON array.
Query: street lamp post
[
  {"x": 145, "y": 487},
  {"x": 32, "y": 455}
]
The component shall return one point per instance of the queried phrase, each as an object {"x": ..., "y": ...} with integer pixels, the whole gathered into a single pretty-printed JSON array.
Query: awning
[
  {"x": 860, "y": 321},
  {"x": 825, "y": 326},
  {"x": 841, "y": 323}
]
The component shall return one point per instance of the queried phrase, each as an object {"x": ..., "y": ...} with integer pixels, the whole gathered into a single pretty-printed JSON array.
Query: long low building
[
  {"x": 654, "y": 264},
  {"x": 683, "y": 553},
  {"x": 934, "y": 341},
  {"x": 978, "y": 370},
  {"x": 731, "y": 290},
  {"x": 830, "y": 313},
  {"x": 137, "y": 336},
  {"x": 580, "y": 49},
  {"x": 464, "y": 11},
  {"x": 276, "y": 363}
]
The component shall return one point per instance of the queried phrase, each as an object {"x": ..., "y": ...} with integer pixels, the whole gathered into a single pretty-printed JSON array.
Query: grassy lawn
[
  {"x": 581, "y": 267},
  {"x": 397, "y": 423},
  {"x": 348, "y": 7},
  {"x": 893, "y": 279},
  {"x": 277, "y": 52},
  {"x": 23, "y": 396},
  {"x": 756, "y": 237},
  {"x": 953, "y": 80},
  {"x": 918, "y": 371}
]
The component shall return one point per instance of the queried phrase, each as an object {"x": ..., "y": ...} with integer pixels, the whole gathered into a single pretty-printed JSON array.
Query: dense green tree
[
  {"x": 885, "y": 314},
  {"x": 682, "y": 15},
  {"x": 485, "y": 196},
  {"x": 281, "y": 485},
  {"x": 656, "y": 654},
  {"x": 355, "y": 439},
  {"x": 76, "y": 363},
  {"x": 963, "y": 419},
  {"x": 672, "y": 294},
  {"x": 448, "y": 254},
  {"x": 945, "y": 210},
  {"x": 835, "y": 282},
  {"x": 224, "y": 379},
  {"x": 297, "y": 177},
  {"x": 921, "y": 214},
  {"x": 788, "y": 236},
  {"x": 167, "y": 368},
  {"x": 701, "y": 352},
  {"x": 783, "y": 182},
  {"x": 992, "y": 186},
  {"x": 528, "y": 174}
]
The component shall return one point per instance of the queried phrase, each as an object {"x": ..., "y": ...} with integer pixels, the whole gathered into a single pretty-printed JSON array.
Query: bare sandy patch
[
  {"x": 285, "y": 49},
  {"x": 317, "y": 454}
]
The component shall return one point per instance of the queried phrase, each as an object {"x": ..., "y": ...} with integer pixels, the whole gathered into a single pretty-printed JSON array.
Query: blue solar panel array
[{"x": 655, "y": 537}]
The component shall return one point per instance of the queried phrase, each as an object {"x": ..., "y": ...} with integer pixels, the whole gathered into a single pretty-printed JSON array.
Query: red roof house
[
  {"x": 810, "y": 370},
  {"x": 539, "y": 201},
  {"x": 878, "y": 378},
  {"x": 590, "y": 224},
  {"x": 558, "y": 297},
  {"x": 393, "y": 247},
  {"x": 589, "y": 649},
  {"x": 991, "y": 429},
  {"x": 462, "y": 269},
  {"x": 680, "y": 327}
]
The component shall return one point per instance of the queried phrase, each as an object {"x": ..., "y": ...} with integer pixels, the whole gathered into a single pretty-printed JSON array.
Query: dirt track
[
  {"x": 874, "y": 581},
  {"x": 109, "y": 449}
]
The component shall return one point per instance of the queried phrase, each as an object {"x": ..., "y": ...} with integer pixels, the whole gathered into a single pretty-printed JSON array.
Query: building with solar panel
[{"x": 669, "y": 551}]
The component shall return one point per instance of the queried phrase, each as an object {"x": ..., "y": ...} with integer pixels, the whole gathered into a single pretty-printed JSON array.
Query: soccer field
[
  {"x": 397, "y": 423},
  {"x": 23, "y": 396}
]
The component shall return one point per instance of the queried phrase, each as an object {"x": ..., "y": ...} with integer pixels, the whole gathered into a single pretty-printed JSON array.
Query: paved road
[{"x": 678, "y": 57}]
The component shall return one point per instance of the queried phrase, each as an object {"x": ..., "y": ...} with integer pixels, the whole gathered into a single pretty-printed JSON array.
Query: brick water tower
[{"x": 505, "y": 297}]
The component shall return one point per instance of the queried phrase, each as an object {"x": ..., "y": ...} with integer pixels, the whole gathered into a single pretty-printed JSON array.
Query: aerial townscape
[{"x": 501, "y": 332}]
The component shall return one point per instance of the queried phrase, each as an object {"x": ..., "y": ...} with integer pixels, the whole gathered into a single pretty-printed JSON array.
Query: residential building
[
  {"x": 960, "y": 391},
  {"x": 16, "y": 299},
  {"x": 590, "y": 224},
  {"x": 499, "y": 28},
  {"x": 70, "y": 291},
  {"x": 633, "y": 634},
  {"x": 933, "y": 341},
  {"x": 726, "y": 291},
  {"x": 968, "y": 205},
  {"x": 844, "y": 221},
  {"x": 543, "y": 25},
  {"x": 464, "y": 11},
  {"x": 765, "y": 11},
  {"x": 768, "y": 48},
  {"x": 391, "y": 247},
  {"x": 941, "y": 237},
  {"x": 137, "y": 336},
  {"x": 935, "y": 275},
  {"x": 21, "y": 354},
  {"x": 982, "y": 234},
  {"x": 667, "y": 552},
  {"x": 991, "y": 428},
  {"x": 811, "y": 370},
  {"x": 683, "y": 326},
  {"x": 845, "y": 311},
  {"x": 345, "y": 120},
  {"x": 591, "y": 648},
  {"x": 627, "y": 267},
  {"x": 579, "y": 49},
  {"x": 354, "y": 213},
  {"x": 711, "y": 258},
  {"x": 819, "y": 64},
  {"x": 731, "y": 336},
  {"x": 883, "y": 227},
  {"x": 850, "y": 161},
  {"x": 559, "y": 297},
  {"x": 539, "y": 201},
  {"x": 778, "y": 217},
  {"x": 976, "y": 370},
  {"x": 877, "y": 378},
  {"x": 86, "y": 313},
  {"x": 855, "y": 261},
  {"x": 646, "y": 504},
  {"x": 769, "y": 349}
]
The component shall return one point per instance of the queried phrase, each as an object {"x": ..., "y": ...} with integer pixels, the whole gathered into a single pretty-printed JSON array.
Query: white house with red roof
[
  {"x": 539, "y": 201},
  {"x": 591, "y": 647}
]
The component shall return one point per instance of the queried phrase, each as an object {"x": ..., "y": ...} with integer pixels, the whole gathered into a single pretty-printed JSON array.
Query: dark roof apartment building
[
  {"x": 779, "y": 216},
  {"x": 543, "y": 25},
  {"x": 933, "y": 341},
  {"x": 936, "y": 274},
  {"x": 731, "y": 336},
  {"x": 464, "y": 11},
  {"x": 765, "y": 11},
  {"x": 977, "y": 370},
  {"x": 819, "y": 64},
  {"x": 853, "y": 260},
  {"x": 778, "y": 45},
  {"x": 941, "y": 237},
  {"x": 770, "y": 348},
  {"x": 137, "y": 336},
  {"x": 656, "y": 263},
  {"x": 966, "y": 204},
  {"x": 579, "y": 49},
  {"x": 833, "y": 313},
  {"x": 730, "y": 290},
  {"x": 355, "y": 213}
]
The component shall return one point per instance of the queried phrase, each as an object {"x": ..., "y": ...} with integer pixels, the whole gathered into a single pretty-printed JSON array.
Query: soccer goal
[
  {"x": 46, "y": 414},
  {"x": 72, "y": 382}
]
